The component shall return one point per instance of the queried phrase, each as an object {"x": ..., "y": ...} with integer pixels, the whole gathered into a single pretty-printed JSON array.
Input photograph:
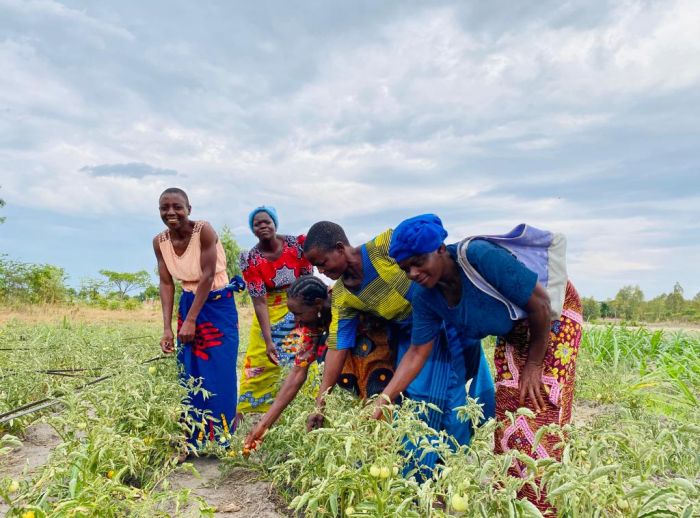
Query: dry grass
[{"x": 79, "y": 313}]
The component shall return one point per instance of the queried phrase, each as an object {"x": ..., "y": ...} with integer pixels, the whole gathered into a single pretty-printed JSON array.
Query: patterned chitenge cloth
[
  {"x": 269, "y": 279},
  {"x": 558, "y": 378},
  {"x": 211, "y": 358}
]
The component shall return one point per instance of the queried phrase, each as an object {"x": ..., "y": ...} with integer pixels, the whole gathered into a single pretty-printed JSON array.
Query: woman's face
[
  {"x": 425, "y": 269},
  {"x": 331, "y": 263},
  {"x": 304, "y": 315},
  {"x": 174, "y": 210},
  {"x": 263, "y": 226}
]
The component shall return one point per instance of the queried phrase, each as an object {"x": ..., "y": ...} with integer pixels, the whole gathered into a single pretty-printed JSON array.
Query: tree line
[
  {"x": 630, "y": 305},
  {"x": 29, "y": 283}
]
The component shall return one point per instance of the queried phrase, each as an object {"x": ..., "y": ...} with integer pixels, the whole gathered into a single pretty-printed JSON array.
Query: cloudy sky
[{"x": 581, "y": 117}]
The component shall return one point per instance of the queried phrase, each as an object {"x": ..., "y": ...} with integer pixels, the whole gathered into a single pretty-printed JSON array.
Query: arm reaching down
[{"x": 288, "y": 391}]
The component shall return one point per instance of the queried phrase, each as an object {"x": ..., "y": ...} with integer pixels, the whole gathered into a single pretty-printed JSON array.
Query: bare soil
[
  {"x": 38, "y": 443},
  {"x": 239, "y": 494},
  {"x": 585, "y": 412}
]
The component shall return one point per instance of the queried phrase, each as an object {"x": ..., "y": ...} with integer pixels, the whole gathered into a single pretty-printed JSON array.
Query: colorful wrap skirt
[
  {"x": 212, "y": 359},
  {"x": 261, "y": 377},
  {"x": 558, "y": 379},
  {"x": 370, "y": 363},
  {"x": 442, "y": 382}
]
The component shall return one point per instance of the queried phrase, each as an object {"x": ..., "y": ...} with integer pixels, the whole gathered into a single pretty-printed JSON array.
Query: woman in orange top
[{"x": 207, "y": 324}]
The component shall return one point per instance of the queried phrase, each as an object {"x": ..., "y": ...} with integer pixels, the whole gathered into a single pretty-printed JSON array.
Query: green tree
[
  {"x": 152, "y": 292},
  {"x": 233, "y": 253},
  {"x": 124, "y": 282},
  {"x": 628, "y": 302},
  {"x": 26, "y": 282},
  {"x": 606, "y": 310},
  {"x": 655, "y": 309},
  {"x": 47, "y": 283},
  {"x": 91, "y": 289},
  {"x": 591, "y": 308},
  {"x": 675, "y": 301}
]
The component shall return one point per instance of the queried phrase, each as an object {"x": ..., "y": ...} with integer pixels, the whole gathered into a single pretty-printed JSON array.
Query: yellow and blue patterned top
[{"x": 385, "y": 292}]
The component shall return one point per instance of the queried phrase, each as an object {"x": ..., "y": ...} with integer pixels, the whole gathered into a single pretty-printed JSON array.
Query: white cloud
[
  {"x": 55, "y": 12},
  {"x": 543, "y": 122}
]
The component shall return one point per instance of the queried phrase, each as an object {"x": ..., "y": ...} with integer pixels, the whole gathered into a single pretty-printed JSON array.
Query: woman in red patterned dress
[{"x": 269, "y": 268}]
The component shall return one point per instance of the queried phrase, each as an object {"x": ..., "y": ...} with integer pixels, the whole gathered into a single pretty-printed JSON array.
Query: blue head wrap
[
  {"x": 263, "y": 208},
  {"x": 415, "y": 236}
]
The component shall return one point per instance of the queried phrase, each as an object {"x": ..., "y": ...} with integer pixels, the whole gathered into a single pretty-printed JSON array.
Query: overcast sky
[{"x": 581, "y": 117}]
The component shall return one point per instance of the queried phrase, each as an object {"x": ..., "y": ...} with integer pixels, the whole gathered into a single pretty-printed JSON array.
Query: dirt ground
[
  {"x": 239, "y": 494},
  {"x": 37, "y": 445}
]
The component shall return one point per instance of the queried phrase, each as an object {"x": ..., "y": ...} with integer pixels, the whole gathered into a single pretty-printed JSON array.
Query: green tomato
[
  {"x": 349, "y": 510},
  {"x": 384, "y": 472},
  {"x": 375, "y": 471},
  {"x": 459, "y": 503}
]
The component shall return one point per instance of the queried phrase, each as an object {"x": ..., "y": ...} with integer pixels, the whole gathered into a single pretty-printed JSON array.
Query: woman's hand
[
  {"x": 271, "y": 352},
  {"x": 314, "y": 421},
  {"x": 378, "y": 414},
  {"x": 186, "y": 332},
  {"x": 531, "y": 386},
  {"x": 255, "y": 436},
  {"x": 379, "y": 405},
  {"x": 167, "y": 342}
]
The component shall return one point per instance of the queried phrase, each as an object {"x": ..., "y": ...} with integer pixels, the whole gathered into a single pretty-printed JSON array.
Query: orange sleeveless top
[{"x": 187, "y": 268}]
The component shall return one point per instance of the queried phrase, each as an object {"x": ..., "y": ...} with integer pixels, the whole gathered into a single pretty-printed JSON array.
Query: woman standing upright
[
  {"x": 207, "y": 324},
  {"x": 269, "y": 268}
]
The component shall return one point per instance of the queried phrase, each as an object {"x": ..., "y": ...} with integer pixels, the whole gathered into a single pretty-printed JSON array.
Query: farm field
[{"x": 109, "y": 448}]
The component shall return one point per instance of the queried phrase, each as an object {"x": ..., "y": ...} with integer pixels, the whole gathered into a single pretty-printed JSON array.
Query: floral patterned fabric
[
  {"x": 262, "y": 275},
  {"x": 303, "y": 346},
  {"x": 558, "y": 378},
  {"x": 260, "y": 380}
]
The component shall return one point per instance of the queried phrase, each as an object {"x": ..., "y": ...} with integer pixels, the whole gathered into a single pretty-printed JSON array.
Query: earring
[{"x": 318, "y": 314}]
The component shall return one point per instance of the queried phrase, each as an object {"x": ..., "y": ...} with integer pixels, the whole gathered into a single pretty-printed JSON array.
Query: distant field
[{"x": 83, "y": 313}]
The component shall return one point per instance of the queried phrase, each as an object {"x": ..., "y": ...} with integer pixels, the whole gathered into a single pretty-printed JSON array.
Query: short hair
[
  {"x": 309, "y": 288},
  {"x": 324, "y": 235},
  {"x": 175, "y": 190}
]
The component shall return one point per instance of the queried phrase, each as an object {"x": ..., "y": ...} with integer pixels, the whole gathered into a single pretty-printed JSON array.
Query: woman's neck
[
  {"x": 184, "y": 232},
  {"x": 353, "y": 275},
  {"x": 450, "y": 283},
  {"x": 270, "y": 245},
  {"x": 324, "y": 322}
]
